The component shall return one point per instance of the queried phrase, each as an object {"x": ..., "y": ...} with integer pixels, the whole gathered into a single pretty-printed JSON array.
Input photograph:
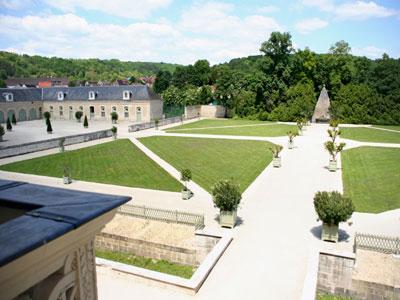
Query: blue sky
[{"x": 184, "y": 31}]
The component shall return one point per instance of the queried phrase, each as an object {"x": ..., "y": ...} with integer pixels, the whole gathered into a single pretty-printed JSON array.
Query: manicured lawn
[
  {"x": 388, "y": 127},
  {"x": 371, "y": 178},
  {"x": 211, "y": 160},
  {"x": 148, "y": 263},
  {"x": 332, "y": 297},
  {"x": 218, "y": 123},
  {"x": 118, "y": 162},
  {"x": 370, "y": 135}
]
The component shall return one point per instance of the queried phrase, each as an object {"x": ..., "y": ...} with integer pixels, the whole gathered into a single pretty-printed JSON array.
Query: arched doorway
[
  {"x": 2, "y": 120},
  {"x": 10, "y": 113},
  {"x": 32, "y": 114},
  {"x": 22, "y": 115}
]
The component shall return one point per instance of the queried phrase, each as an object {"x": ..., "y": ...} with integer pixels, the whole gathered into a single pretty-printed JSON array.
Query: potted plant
[
  {"x": 49, "y": 128},
  {"x": 291, "y": 135},
  {"x": 156, "y": 122},
  {"x": 85, "y": 122},
  {"x": 114, "y": 117},
  {"x": 67, "y": 175},
  {"x": 14, "y": 119},
  {"x": 2, "y": 132},
  {"x": 300, "y": 125},
  {"x": 305, "y": 123},
  {"x": 276, "y": 150},
  {"x": 332, "y": 208},
  {"x": 78, "y": 116},
  {"x": 46, "y": 115},
  {"x": 9, "y": 126},
  {"x": 114, "y": 132},
  {"x": 334, "y": 150},
  {"x": 226, "y": 196},
  {"x": 186, "y": 176},
  {"x": 334, "y": 132},
  {"x": 61, "y": 142}
]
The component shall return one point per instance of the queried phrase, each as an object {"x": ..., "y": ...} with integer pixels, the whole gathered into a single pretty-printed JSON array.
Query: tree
[
  {"x": 186, "y": 176},
  {"x": 340, "y": 48},
  {"x": 202, "y": 73},
  {"x": 278, "y": 47},
  {"x": 85, "y": 122},
  {"x": 162, "y": 82},
  {"x": 49, "y": 128},
  {"x": 14, "y": 119},
  {"x": 78, "y": 115},
  {"x": 173, "y": 96},
  {"x": 9, "y": 126},
  {"x": 2, "y": 132}
]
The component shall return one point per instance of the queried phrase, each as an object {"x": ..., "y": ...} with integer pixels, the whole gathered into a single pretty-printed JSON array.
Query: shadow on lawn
[{"x": 343, "y": 235}]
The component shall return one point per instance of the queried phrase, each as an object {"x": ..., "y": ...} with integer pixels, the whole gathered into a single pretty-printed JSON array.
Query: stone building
[
  {"x": 321, "y": 112},
  {"x": 135, "y": 103}
]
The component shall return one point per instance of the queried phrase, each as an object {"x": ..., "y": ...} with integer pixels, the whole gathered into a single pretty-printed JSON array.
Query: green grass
[
  {"x": 218, "y": 123},
  {"x": 371, "y": 178},
  {"x": 148, "y": 263},
  {"x": 388, "y": 127},
  {"x": 364, "y": 134},
  {"x": 118, "y": 162},
  {"x": 332, "y": 297},
  {"x": 211, "y": 160}
]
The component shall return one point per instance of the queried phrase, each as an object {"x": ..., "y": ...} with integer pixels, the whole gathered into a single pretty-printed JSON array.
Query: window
[
  {"x": 138, "y": 109},
  {"x": 60, "y": 109},
  {"x": 9, "y": 96},
  {"x": 51, "y": 109},
  {"x": 92, "y": 95},
  {"x": 126, "y": 95},
  {"x": 114, "y": 108},
  {"x": 126, "y": 111},
  {"x": 71, "y": 108},
  {"x": 81, "y": 108},
  {"x": 60, "y": 96},
  {"x": 102, "y": 111}
]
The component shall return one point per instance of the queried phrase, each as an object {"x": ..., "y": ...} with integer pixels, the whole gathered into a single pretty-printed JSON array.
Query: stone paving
[{"x": 276, "y": 234}]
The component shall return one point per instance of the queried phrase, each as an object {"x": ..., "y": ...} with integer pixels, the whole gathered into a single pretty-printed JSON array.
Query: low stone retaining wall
[
  {"x": 205, "y": 111},
  {"x": 203, "y": 244},
  {"x": 52, "y": 143}
]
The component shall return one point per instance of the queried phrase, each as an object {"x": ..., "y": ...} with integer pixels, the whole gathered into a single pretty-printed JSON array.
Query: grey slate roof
[{"x": 138, "y": 92}]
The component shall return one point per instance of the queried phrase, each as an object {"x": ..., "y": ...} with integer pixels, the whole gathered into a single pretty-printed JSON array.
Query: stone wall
[
  {"x": 192, "y": 111},
  {"x": 192, "y": 257},
  {"x": 23, "y": 111},
  {"x": 212, "y": 111},
  {"x": 52, "y": 143}
]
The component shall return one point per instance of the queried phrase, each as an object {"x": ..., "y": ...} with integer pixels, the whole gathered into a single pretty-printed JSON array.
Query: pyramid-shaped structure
[{"x": 321, "y": 111}]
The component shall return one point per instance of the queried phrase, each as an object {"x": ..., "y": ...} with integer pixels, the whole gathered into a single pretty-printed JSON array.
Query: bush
[
  {"x": 276, "y": 150},
  {"x": 156, "y": 122},
  {"x": 9, "y": 126},
  {"x": 78, "y": 115},
  {"x": 186, "y": 175},
  {"x": 14, "y": 119},
  {"x": 226, "y": 195},
  {"x": 114, "y": 116},
  {"x": 49, "y": 128},
  {"x": 263, "y": 116},
  {"x": 46, "y": 115},
  {"x": 85, "y": 122},
  {"x": 333, "y": 208},
  {"x": 114, "y": 129},
  {"x": 2, "y": 131}
]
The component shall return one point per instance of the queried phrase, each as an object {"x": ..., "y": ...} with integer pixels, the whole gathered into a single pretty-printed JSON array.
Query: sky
[{"x": 178, "y": 31}]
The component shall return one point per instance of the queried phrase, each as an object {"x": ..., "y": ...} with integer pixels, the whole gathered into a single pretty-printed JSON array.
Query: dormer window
[
  {"x": 92, "y": 95},
  {"x": 126, "y": 95},
  {"x": 60, "y": 96},
  {"x": 9, "y": 97}
]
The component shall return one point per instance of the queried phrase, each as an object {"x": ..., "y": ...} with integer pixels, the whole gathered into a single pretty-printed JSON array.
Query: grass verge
[
  {"x": 364, "y": 134},
  {"x": 162, "y": 266}
]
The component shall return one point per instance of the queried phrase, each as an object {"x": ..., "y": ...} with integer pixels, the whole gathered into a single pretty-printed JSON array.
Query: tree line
[{"x": 283, "y": 84}]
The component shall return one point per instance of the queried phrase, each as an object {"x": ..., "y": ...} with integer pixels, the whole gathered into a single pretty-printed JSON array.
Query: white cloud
[
  {"x": 369, "y": 51},
  {"x": 309, "y": 25},
  {"x": 268, "y": 9},
  {"x": 215, "y": 33},
  {"x": 121, "y": 8},
  {"x": 358, "y": 10}
]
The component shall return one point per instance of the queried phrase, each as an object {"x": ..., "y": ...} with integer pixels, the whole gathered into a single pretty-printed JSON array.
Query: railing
[
  {"x": 164, "y": 215},
  {"x": 378, "y": 243},
  {"x": 161, "y": 122}
]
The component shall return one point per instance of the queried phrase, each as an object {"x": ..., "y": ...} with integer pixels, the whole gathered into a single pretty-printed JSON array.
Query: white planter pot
[
  {"x": 291, "y": 145},
  {"x": 67, "y": 180},
  {"x": 227, "y": 218},
  {"x": 276, "y": 162},
  {"x": 186, "y": 194},
  {"x": 332, "y": 165}
]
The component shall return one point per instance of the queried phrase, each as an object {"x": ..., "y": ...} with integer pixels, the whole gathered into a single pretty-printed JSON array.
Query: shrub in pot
[
  {"x": 49, "y": 128},
  {"x": 61, "y": 142},
  {"x": 9, "y": 126},
  {"x": 2, "y": 132},
  {"x": 114, "y": 117},
  {"x": 226, "y": 196},
  {"x": 14, "y": 119},
  {"x": 291, "y": 135},
  {"x": 85, "y": 122},
  {"x": 332, "y": 208},
  {"x": 334, "y": 150},
  {"x": 78, "y": 115},
  {"x": 186, "y": 176},
  {"x": 114, "y": 132},
  {"x": 156, "y": 122},
  {"x": 300, "y": 126},
  {"x": 276, "y": 150},
  {"x": 67, "y": 175},
  {"x": 46, "y": 115}
]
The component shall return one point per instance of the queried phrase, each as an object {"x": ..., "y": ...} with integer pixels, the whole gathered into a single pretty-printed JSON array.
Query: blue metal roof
[{"x": 50, "y": 213}]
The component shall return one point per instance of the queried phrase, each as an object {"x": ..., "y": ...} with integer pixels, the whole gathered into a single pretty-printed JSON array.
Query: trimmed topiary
[
  {"x": 114, "y": 117},
  {"x": 85, "y": 122},
  {"x": 2, "y": 132},
  {"x": 332, "y": 207},
  {"x": 46, "y": 115},
  {"x": 14, "y": 119},
  {"x": 49, "y": 128},
  {"x": 226, "y": 195},
  {"x": 9, "y": 126},
  {"x": 78, "y": 115},
  {"x": 186, "y": 176}
]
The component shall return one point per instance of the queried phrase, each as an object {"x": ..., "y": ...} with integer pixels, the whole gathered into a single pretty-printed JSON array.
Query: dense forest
[
  {"x": 280, "y": 84},
  {"x": 283, "y": 84},
  {"x": 77, "y": 70}
]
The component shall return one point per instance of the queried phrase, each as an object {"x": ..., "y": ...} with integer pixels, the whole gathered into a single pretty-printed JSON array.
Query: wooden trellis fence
[{"x": 379, "y": 243}]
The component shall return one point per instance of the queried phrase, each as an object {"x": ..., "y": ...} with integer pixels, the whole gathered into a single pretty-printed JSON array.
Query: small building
[
  {"x": 321, "y": 112},
  {"x": 47, "y": 240},
  {"x": 42, "y": 82}
]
